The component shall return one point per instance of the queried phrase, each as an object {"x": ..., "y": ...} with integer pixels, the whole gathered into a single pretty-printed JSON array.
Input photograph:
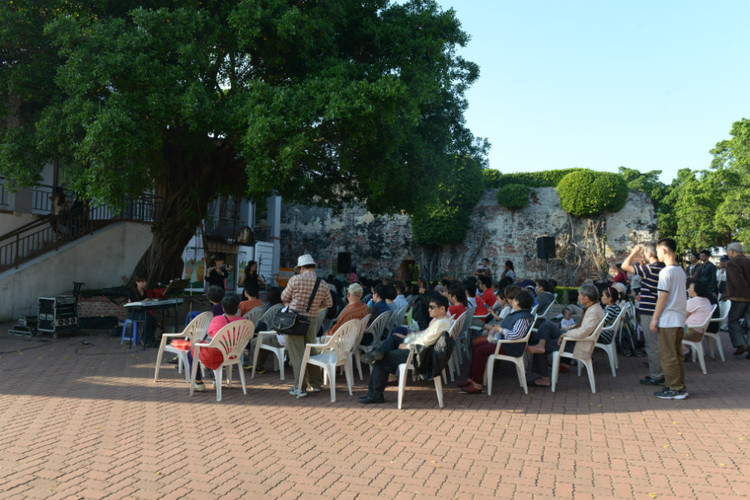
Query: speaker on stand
[{"x": 545, "y": 249}]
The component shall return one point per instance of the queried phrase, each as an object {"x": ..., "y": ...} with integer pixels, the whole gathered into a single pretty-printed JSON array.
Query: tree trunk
[{"x": 189, "y": 180}]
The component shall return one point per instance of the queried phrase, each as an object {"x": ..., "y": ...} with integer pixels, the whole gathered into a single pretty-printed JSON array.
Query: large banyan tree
[{"x": 319, "y": 101}]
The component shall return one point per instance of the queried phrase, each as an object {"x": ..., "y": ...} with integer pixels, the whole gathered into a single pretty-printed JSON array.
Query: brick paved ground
[{"x": 87, "y": 421}]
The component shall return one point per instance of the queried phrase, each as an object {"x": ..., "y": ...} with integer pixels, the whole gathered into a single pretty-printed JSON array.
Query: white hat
[{"x": 305, "y": 260}]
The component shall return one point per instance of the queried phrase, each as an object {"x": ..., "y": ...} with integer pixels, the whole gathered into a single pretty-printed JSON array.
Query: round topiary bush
[
  {"x": 513, "y": 196},
  {"x": 585, "y": 192}
]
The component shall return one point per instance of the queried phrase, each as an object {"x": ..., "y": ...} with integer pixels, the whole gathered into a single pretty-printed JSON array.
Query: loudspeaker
[
  {"x": 344, "y": 263},
  {"x": 545, "y": 247}
]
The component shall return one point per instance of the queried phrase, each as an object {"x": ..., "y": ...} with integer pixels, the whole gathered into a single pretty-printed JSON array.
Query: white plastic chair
[
  {"x": 355, "y": 350},
  {"x": 336, "y": 352},
  {"x": 397, "y": 317},
  {"x": 194, "y": 331},
  {"x": 230, "y": 340},
  {"x": 279, "y": 352},
  {"x": 610, "y": 348},
  {"x": 254, "y": 314},
  {"x": 697, "y": 347},
  {"x": 715, "y": 338},
  {"x": 519, "y": 362},
  {"x": 463, "y": 343},
  {"x": 587, "y": 362},
  {"x": 403, "y": 368},
  {"x": 376, "y": 328},
  {"x": 454, "y": 361},
  {"x": 541, "y": 315}
]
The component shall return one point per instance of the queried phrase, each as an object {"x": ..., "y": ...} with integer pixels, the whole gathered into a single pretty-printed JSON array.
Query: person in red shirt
[
  {"x": 252, "y": 301},
  {"x": 457, "y": 298},
  {"x": 488, "y": 294}
]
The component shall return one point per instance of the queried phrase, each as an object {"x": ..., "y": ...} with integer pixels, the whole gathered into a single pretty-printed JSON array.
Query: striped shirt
[
  {"x": 649, "y": 274},
  {"x": 610, "y": 314}
]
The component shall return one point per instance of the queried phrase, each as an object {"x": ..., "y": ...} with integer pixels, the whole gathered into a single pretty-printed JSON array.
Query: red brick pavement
[{"x": 87, "y": 421}]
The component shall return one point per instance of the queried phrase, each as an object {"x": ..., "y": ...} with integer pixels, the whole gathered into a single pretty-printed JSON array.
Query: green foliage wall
[
  {"x": 445, "y": 220},
  {"x": 513, "y": 196},
  {"x": 546, "y": 178},
  {"x": 585, "y": 193}
]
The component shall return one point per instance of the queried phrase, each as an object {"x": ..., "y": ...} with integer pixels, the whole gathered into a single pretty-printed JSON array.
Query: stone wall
[{"x": 380, "y": 245}]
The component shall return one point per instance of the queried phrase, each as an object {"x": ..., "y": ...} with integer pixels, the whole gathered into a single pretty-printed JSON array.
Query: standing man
[
  {"x": 669, "y": 321},
  {"x": 649, "y": 274},
  {"x": 721, "y": 275},
  {"x": 296, "y": 296},
  {"x": 738, "y": 292},
  {"x": 708, "y": 271},
  {"x": 694, "y": 268}
]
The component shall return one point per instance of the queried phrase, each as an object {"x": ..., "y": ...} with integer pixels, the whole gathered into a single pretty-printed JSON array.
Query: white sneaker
[{"x": 200, "y": 387}]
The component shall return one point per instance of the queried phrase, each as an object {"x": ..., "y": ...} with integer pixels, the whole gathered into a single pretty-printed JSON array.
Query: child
[{"x": 567, "y": 322}]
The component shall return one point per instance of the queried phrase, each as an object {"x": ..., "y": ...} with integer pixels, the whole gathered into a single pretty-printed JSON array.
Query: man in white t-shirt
[{"x": 669, "y": 321}]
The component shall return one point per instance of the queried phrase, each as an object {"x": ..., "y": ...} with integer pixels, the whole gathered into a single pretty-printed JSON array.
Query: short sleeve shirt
[
  {"x": 649, "y": 274},
  {"x": 672, "y": 280}
]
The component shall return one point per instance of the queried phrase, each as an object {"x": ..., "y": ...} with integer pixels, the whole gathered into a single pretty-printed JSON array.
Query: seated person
[
  {"x": 395, "y": 350},
  {"x": 137, "y": 294},
  {"x": 420, "y": 312},
  {"x": 513, "y": 327},
  {"x": 457, "y": 298},
  {"x": 548, "y": 337},
  {"x": 379, "y": 305},
  {"x": 485, "y": 287},
  {"x": 390, "y": 294},
  {"x": 504, "y": 298},
  {"x": 698, "y": 309},
  {"x": 475, "y": 301},
  {"x": 251, "y": 299},
  {"x": 215, "y": 295},
  {"x": 568, "y": 321},
  {"x": 545, "y": 295},
  {"x": 610, "y": 297},
  {"x": 400, "y": 299},
  {"x": 355, "y": 309},
  {"x": 212, "y": 357}
]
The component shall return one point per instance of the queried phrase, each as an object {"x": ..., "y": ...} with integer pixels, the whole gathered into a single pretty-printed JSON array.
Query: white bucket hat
[{"x": 305, "y": 260}]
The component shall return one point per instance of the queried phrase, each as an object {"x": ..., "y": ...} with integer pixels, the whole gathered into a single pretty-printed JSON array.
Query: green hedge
[
  {"x": 584, "y": 193},
  {"x": 546, "y": 178},
  {"x": 513, "y": 196}
]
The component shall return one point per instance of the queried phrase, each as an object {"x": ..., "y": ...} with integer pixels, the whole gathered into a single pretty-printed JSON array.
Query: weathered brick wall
[
  {"x": 379, "y": 244},
  {"x": 102, "y": 306}
]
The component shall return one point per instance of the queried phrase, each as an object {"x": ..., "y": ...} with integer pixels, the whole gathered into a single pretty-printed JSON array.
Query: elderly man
[
  {"x": 649, "y": 274},
  {"x": 548, "y": 337},
  {"x": 355, "y": 309},
  {"x": 669, "y": 321},
  {"x": 296, "y": 296},
  {"x": 738, "y": 293},
  {"x": 708, "y": 271},
  {"x": 395, "y": 350}
]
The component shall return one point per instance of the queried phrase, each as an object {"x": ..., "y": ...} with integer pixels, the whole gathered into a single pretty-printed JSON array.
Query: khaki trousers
[
  {"x": 295, "y": 344},
  {"x": 670, "y": 352}
]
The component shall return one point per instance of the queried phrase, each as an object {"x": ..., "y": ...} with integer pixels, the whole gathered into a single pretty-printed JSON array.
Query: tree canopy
[{"x": 320, "y": 102}]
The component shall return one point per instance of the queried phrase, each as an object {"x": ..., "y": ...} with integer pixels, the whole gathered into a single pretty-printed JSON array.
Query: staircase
[{"x": 49, "y": 232}]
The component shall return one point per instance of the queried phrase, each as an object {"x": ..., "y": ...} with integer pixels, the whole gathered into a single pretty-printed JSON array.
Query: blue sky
[{"x": 650, "y": 85}]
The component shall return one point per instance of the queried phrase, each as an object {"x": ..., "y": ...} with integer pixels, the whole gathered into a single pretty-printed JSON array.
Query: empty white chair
[
  {"x": 581, "y": 361},
  {"x": 230, "y": 340},
  {"x": 193, "y": 332},
  {"x": 715, "y": 338},
  {"x": 335, "y": 352},
  {"x": 280, "y": 352}
]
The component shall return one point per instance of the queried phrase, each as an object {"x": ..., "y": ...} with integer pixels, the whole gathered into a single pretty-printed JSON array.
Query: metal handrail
[{"x": 51, "y": 231}]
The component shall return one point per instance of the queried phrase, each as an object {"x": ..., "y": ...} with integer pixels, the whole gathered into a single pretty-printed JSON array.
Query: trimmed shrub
[
  {"x": 546, "y": 178},
  {"x": 584, "y": 192},
  {"x": 513, "y": 196}
]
